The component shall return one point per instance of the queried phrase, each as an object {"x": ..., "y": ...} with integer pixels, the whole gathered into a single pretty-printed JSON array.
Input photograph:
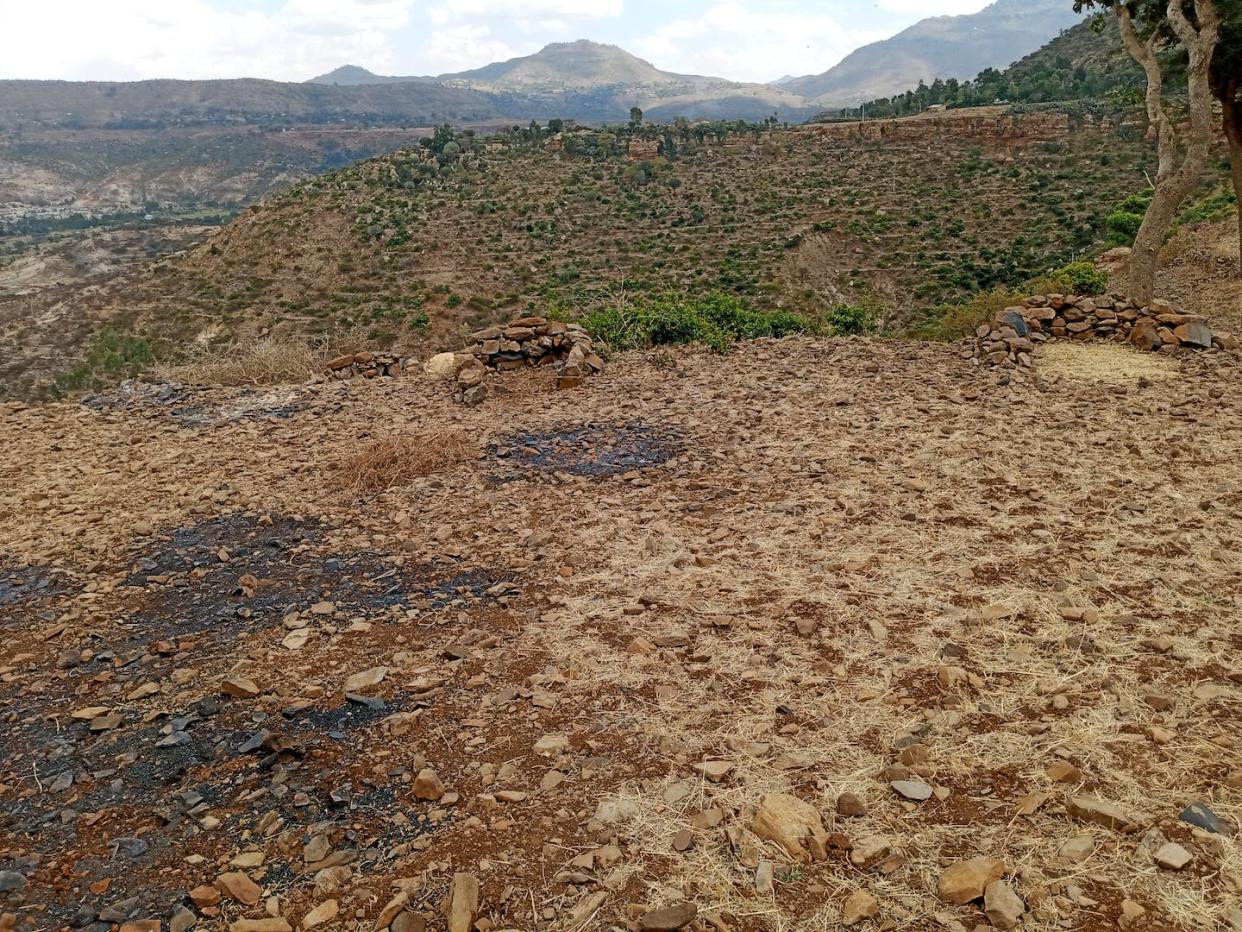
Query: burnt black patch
[
  {"x": 21, "y": 585},
  {"x": 594, "y": 450},
  {"x": 190, "y": 407}
]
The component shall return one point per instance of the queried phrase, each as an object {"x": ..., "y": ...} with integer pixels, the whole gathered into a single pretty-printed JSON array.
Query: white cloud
[
  {"x": 923, "y": 8},
  {"x": 460, "y": 48},
  {"x": 457, "y": 10},
  {"x": 132, "y": 39},
  {"x": 741, "y": 41}
]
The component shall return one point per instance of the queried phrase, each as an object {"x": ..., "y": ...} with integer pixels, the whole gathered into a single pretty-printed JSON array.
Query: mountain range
[{"x": 938, "y": 47}]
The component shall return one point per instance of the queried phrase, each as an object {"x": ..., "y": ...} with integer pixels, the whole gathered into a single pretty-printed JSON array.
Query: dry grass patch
[
  {"x": 1104, "y": 362},
  {"x": 268, "y": 361},
  {"x": 398, "y": 460}
]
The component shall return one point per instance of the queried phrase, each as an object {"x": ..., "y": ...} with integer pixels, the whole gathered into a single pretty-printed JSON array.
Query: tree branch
[{"x": 1158, "y": 121}]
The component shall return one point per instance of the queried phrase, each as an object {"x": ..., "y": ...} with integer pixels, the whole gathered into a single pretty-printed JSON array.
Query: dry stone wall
[
  {"x": 1012, "y": 337},
  {"x": 365, "y": 365},
  {"x": 529, "y": 342}
]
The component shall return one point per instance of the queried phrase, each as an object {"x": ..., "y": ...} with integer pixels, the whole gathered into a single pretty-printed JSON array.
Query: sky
[{"x": 292, "y": 40}]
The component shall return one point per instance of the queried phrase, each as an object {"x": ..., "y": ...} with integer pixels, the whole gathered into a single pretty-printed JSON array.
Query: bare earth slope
[{"x": 848, "y": 564}]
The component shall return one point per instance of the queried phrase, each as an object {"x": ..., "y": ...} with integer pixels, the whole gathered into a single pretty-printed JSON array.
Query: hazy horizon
[{"x": 294, "y": 40}]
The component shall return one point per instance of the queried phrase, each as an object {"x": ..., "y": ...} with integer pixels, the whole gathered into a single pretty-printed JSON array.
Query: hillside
[
  {"x": 897, "y": 217},
  {"x": 1084, "y": 63},
  {"x": 939, "y": 47},
  {"x": 162, "y": 104}
]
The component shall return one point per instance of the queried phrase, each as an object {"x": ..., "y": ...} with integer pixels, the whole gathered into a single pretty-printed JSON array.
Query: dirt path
[{"x": 948, "y": 615}]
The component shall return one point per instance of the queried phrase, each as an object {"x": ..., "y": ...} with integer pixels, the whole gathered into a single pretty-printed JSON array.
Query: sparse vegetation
[
  {"x": 399, "y": 459},
  {"x": 113, "y": 355}
]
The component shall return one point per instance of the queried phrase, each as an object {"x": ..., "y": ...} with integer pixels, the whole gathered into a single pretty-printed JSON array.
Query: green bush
[
  {"x": 717, "y": 321},
  {"x": 846, "y": 320},
  {"x": 1125, "y": 219},
  {"x": 1081, "y": 278},
  {"x": 112, "y": 356}
]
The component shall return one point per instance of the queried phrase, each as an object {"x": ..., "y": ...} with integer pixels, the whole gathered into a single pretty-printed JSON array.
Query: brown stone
[
  {"x": 793, "y": 824},
  {"x": 239, "y": 887},
  {"x": 967, "y": 880},
  {"x": 669, "y": 918}
]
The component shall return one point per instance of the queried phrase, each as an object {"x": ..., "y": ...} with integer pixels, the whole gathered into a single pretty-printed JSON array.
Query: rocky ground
[{"x": 823, "y": 633}]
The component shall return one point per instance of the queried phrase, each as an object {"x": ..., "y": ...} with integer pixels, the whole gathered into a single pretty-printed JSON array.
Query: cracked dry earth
[{"x": 822, "y": 633}]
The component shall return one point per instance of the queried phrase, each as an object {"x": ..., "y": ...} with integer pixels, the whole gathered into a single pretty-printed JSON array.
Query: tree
[
  {"x": 1226, "y": 80},
  {"x": 1146, "y": 27},
  {"x": 636, "y": 115}
]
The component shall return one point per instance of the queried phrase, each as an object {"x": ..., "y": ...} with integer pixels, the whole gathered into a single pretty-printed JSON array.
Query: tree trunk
[
  {"x": 1233, "y": 132},
  {"x": 1176, "y": 178},
  {"x": 1166, "y": 201}
]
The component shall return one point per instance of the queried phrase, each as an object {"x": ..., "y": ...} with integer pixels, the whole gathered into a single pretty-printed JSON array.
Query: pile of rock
[
  {"x": 1011, "y": 338},
  {"x": 525, "y": 343},
  {"x": 365, "y": 365}
]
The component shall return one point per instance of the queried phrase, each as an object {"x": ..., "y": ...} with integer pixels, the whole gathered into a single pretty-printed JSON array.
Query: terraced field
[{"x": 791, "y": 217}]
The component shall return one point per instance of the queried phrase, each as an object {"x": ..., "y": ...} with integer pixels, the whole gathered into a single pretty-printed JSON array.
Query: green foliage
[
  {"x": 112, "y": 356},
  {"x": 1124, "y": 220},
  {"x": 848, "y": 320},
  {"x": 1216, "y": 206},
  {"x": 716, "y": 321},
  {"x": 1081, "y": 278}
]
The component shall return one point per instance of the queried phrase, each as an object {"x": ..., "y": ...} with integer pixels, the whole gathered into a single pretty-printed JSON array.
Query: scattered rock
[
  {"x": 240, "y": 688},
  {"x": 793, "y": 824},
  {"x": 1004, "y": 908},
  {"x": 915, "y": 790},
  {"x": 239, "y": 887},
  {"x": 1173, "y": 857},
  {"x": 967, "y": 880},
  {"x": 858, "y": 906},
  {"x": 1201, "y": 816},
  {"x": 669, "y": 918},
  {"x": 1098, "y": 812},
  {"x": 427, "y": 786},
  {"x": 462, "y": 906}
]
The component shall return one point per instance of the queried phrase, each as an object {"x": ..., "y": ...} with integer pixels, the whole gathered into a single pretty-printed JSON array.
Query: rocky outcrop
[
  {"x": 984, "y": 124},
  {"x": 1011, "y": 338}
]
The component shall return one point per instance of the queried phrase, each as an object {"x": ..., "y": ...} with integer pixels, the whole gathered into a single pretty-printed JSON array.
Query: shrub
[
  {"x": 1125, "y": 219},
  {"x": 112, "y": 356},
  {"x": 846, "y": 320},
  {"x": 1081, "y": 278},
  {"x": 717, "y": 321}
]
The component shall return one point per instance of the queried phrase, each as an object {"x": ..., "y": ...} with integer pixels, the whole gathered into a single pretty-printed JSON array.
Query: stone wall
[
  {"x": 365, "y": 365},
  {"x": 526, "y": 343},
  {"x": 1013, "y": 336}
]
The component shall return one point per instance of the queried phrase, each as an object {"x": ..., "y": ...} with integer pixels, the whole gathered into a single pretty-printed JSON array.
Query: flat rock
[
  {"x": 965, "y": 881},
  {"x": 858, "y": 906},
  {"x": 1098, "y": 812},
  {"x": 239, "y": 887},
  {"x": 793, "y": 824},
  {"x": 915, "y": 790},
  {"x": 367, "y": 679},
  {"x": 669, "y": 918}
]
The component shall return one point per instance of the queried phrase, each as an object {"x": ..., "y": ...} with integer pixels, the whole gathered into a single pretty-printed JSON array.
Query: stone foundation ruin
[
  {"x": 529, "y": 342},
  {"x": 1011, "y": 338}
]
